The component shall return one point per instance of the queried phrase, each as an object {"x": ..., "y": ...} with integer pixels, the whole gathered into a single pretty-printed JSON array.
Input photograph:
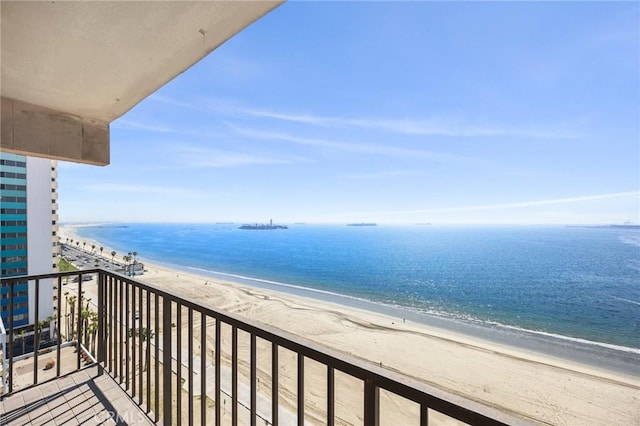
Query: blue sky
[{"x": 441, "y": 112}]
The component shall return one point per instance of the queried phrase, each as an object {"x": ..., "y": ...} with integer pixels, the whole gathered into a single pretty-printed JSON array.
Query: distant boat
[
  {"x": 362, "y": 224},
  {"x": 625, "y": 226}
]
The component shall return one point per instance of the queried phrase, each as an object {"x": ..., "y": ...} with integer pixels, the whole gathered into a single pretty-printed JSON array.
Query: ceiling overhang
[{"x": 71, "y": 68}]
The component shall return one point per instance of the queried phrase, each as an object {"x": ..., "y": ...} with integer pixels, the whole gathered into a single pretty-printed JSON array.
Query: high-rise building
[{"x": 28, "y": 233}]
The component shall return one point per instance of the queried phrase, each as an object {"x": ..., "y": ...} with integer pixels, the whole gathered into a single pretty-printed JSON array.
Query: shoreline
[
  {"x": 489, "y": 368},
  {"x": 401, "y": 312}
]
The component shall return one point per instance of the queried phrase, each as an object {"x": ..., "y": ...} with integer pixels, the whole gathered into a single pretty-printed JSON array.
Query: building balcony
[{"x": 125, "y": 352}]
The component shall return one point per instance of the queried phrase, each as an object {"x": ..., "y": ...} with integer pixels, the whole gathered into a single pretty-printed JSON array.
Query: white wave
[
  {"x": 633, "y": 240},
  {"x": 440, "y": 314},
  {"x": 626, "y": 300},
  {"x": 276, "y": 283},
  {"x": 574, "y": 339},
  {"x": 634, "y": 264}
]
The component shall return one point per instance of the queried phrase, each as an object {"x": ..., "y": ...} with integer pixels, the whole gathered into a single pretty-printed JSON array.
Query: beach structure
[{"x": 68, "y": 70}]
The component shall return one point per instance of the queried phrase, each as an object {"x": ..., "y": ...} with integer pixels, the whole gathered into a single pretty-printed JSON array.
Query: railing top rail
[
  {"x": 438, "y": 399},
  {"x": 7, "y": 280}
]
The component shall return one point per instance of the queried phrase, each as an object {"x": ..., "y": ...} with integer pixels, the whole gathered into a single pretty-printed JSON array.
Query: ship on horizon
[
  {"x": 362, "y": 224},
  {"x": 626, "y": 225}
]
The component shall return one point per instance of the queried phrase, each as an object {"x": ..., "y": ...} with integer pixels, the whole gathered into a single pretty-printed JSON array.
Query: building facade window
[
  {"x": 13, "y": 235},
  {"x": 13, "y": 232},
  {"x": 7, "y": 247},
  {"x": 12, "y": 187},
  {"x": 13, "y": 223},
  {"x": 12, "y": 163},
  {"x": 14, "y": 271},
  {"x": 13, "y": 211},
  {"x": 13, "y": 175},
  {"x": 10, "y": 199},
  {"x": 13, "y": 259},
  {"x": 18, "y": 293}
]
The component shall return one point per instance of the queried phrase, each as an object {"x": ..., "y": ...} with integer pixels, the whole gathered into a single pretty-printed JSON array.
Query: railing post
[
  {"x": 203, "y": 368},
  {"x": 190, "y": 365},
  {"x": 134, "y": 337},
  {"x": 234, "y": 375},
  {"x": 371, "y": 403},
  {"x": 218, "y": 346},
  {"x": 12, "y": 286},
  {"x": 424, "y": 414},
  {"x": 36, "y": 332},
  {"x": 119, "y": 294},
  {"x": 156, "y": 370},
  {"x": 127, "y": 337},
  {"x": 141, "y": 339},
  {"x": 59, "y": 326},
  {"x": 179, "y": 364},
  {"x": 253, "y": 385},
  {"x": 300, "y": 389},
  {"x": 274, "y": 384},
  {"x": 102, "y": 335},
  {"x": 110, "y": 327},
  {"x": 3, "y": 359},
  {"x": 79, "y": 325},
  {"x": 166, "y": 360},
  {"x": 147, "y": 361},
  {"x": 331, "y": 396}
]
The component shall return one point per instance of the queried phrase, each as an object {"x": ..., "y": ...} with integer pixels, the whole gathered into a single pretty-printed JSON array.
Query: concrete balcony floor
[{"x": 81, "y": 397}]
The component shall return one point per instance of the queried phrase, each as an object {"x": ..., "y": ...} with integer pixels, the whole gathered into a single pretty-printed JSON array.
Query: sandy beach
[{"x": 548, "y": 390}]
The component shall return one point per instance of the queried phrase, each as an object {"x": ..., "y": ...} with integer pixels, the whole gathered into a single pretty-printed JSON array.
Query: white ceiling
[{"x": 99, "y": 59}]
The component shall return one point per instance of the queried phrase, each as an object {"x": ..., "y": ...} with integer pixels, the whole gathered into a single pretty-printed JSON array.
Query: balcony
[{"x": 128, "y": 352}]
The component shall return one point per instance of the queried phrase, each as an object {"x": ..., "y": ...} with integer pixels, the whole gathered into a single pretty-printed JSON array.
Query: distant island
[
  {"x": 263, "y": 226},
  {"x": 362, "y": 224}
]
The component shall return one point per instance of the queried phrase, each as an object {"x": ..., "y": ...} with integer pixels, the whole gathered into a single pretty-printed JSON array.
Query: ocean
[{"x": 567, "y": 283}]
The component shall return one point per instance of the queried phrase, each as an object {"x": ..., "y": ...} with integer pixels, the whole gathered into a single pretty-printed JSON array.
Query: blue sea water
[{"x": 580, "y": 283}]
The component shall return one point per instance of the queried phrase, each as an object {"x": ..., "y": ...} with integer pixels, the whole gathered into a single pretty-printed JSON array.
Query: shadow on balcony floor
[{"x": 79, "y": 398}]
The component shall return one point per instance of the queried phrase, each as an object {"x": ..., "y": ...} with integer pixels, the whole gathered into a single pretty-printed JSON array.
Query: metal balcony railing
[{"x": 183, "y": 362}]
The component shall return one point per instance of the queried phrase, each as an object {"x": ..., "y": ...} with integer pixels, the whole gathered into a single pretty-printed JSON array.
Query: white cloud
[
  {"x": 199, "y": 157},
  {"x": 428, "y": 126},
  {"x": 363, "y": 148},
  {"x": 554, "y": 216},
  {"x": 433, "y": 126},
  {"x": 383, "y": 175},
  {"x": 125, "y": 124},
  {"x": 174, "y": 102},
  {"x": 142, "y": 189},
  {"x": 537, "y": 203}
]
